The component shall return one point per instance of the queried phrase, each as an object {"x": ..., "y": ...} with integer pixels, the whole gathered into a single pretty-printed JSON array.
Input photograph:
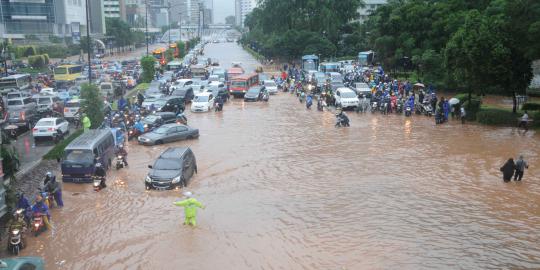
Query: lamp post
[{"x": 89, "y": 42}]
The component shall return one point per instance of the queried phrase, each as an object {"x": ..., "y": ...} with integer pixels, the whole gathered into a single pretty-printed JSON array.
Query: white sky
[{"x": 222, "y": 9}]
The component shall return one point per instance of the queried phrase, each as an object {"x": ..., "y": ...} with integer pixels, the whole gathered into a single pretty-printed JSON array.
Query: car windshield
[
  {"x": 201, "y": 98},
  {"x": 253, "y": 90},
  {"x": 160, "y": 102},
  {"x": 73, "y": 104},
  {"x": 44, "y": 101},
  {"x": 45, "y": 123},
  {"x": 238, "y": 83},
  {"x": 150, "y": 119},
  {"x": 10, "y": 96},
  {"x": 269, "y": 83},
  {"x": 85, "y": 157},
  {"x": 348, "y": 95},
  {"x": 150, "y": 99},
  {"x": 168, "y": 164},
  {"x": 14, "y": 102},
  {"x": 180, "y": 92}
]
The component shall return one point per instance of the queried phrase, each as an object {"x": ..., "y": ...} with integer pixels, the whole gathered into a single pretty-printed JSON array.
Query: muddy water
[{"x": 284, "y": 189}]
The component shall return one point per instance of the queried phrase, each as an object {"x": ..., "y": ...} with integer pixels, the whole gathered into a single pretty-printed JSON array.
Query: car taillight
[
  {"x": 66, "y": 110},
  {"x": 34, "y": 129},
  {"x": 50, "y": 129},
  {"x": 23, "y": 116}
]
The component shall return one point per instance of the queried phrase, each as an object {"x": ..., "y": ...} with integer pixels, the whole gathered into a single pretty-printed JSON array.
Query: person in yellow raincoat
[
  {"x": 190, "y": 208},
  {"x": 86, "y": 122}
]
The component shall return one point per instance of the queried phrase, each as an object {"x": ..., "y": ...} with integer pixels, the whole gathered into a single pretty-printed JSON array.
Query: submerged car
[
  {"x": 173, "y": 168},
  {"x": 254, "y": 93},
  {"x": 168, "y": 133}
]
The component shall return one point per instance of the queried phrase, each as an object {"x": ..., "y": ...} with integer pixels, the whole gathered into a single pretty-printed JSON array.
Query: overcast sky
[{"x": 222, "y": 9}]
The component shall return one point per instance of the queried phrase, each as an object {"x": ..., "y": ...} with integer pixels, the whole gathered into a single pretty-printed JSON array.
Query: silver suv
[{"x": 17, "y": 104}]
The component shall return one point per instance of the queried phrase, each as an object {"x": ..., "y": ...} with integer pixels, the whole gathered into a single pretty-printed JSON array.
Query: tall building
[
  {"x": 114, "y": 9},
  {"x": 63, "y": 18},
  {"x": 243, "y": 8},
  {"x": 369, "y": 7},
  {"x": 97, "y": 17}
]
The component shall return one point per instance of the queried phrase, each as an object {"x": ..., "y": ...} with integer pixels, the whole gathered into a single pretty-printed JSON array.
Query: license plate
[
  {"x": 160, "y": 188},
  {"x": 42, "y": 130}
]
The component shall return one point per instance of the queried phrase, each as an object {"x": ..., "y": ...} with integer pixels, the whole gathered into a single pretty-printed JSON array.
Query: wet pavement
[{"x": 285, "y": 189}]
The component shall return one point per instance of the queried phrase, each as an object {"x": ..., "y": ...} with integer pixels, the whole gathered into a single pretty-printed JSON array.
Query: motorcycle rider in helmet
[
  {"x": 122, "y": 152},
  {"x": 100, "y": 172}
]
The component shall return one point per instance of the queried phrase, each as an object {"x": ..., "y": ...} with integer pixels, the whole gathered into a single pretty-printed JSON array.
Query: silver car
[
  {"x": 168, "y": 133},
  {"x": 271, "y": 86}
]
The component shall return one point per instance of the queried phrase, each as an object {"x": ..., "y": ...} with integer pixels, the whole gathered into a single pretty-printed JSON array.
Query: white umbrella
[
  {"x": 453, "y": 101},
  {"x": 419, "y": 85}
]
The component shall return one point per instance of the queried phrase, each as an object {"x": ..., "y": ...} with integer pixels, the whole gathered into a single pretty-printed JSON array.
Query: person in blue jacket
[{"x": 139, "y": 126}]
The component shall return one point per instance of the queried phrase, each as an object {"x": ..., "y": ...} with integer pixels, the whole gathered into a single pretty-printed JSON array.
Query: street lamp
[{"x": 89, "y": 42}]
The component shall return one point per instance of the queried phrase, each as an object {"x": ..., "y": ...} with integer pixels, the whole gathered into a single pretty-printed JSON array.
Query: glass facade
[{"x": 28, "y": 17}]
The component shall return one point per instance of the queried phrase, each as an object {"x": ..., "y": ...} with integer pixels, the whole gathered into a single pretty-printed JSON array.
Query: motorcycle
[
  {"x": 181, "y": 119},
  {"x": 218, "y": 107},
  {"x": 48, "y": 198},
  {"x": 342, "y": 121},
  {"x": 309, "y": 102},
  {"x": 120, "y": 163},
  {"x": 426, "y": 109},
  {"x": 384, "y": 107},
  {"x": 265, "y": 97},
  {"x": 399, "y": 108},
  {"x": 15, "y": 241},
  {"x": 301, "y": 97},
  {"x": 133, "y": 133},
  {"x": 38, "y": 224},
  {"x": 408, "y": 111},
  {"x": 98, "y": 183}
]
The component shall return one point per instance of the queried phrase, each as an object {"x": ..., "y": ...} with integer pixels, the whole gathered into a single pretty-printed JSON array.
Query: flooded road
[{"x": 284, "y": 189}]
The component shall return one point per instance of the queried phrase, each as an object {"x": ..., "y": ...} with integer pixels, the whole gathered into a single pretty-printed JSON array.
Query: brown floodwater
[{"x": 285, "y": 189}]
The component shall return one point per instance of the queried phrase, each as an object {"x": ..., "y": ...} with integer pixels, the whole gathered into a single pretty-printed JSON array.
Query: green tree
[
  {"x": 120, "y": 31},
  {"x": 93, "y": 104},
  {"x": 181, "y": 48},
  {"x": 230, "y": 20},
  {"x": 147, "y": 63},
  {"x": 476, "y": 56},
  {"x": 169, "y": 55}
]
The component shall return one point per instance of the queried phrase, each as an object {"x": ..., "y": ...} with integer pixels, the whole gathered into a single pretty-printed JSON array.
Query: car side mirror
[{"x": 149, "y": 166}]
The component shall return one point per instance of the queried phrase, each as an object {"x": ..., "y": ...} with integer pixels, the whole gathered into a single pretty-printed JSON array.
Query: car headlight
[
  {"x": 148, "y": 179},
  {"x": 176, "y": 180},
  {"x": 145, "y": 125}
]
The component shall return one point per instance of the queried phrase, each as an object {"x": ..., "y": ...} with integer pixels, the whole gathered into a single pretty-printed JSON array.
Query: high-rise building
[
  {"x": 243, "y": 8},
  {"x": 42, "y": 18},
  {"x": 97, "y": 17},
  {"x": 369, "y": 7},
  {"x": 111, "y": 8}
]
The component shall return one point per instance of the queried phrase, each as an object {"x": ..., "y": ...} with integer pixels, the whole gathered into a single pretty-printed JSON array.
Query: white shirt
[{"x": 525, "y": 117}]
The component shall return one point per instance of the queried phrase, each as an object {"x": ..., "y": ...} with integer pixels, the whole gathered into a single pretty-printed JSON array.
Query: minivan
[
  {"x": 82, "y": 154},
  {"x": 174, "y": 168},
  {"x": 26, "y": 103}
]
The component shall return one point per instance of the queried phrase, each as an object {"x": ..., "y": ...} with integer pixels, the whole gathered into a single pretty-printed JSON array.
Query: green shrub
[
  {"x": 531, "y": 106},
  {"x": 38, "y": 61},
  {"x": 55, "y": 51},
  {"x": 58, "y": 151},
  {"x": 55, "y": 39},
  {"x": 147, "y": 63},
  {"x": 93, "y": 104},
  {"x": 497, "y": 117},
  {"x": 45, "y": 58}
]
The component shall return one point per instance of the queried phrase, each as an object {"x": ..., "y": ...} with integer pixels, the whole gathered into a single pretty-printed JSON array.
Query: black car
[
  {"x": 173, "y": 168},
  {"x": 158, "y": 119},
  {"x": 174, "y": 104},
  {"x": 185, "y": 93},
  {"x": 254, "y": 93}
]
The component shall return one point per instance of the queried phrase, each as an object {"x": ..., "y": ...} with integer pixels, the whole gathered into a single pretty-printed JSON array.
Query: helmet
[
  {"x": 188, "y": 194},
  {"x": 49, "y": 174},
  {"x": 98, "y": 165}
]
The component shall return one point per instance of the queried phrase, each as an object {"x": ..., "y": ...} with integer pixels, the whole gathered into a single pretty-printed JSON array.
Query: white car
[
  {"x": 72, "y": 108},
  {"x": 271, "y": 87},
  {"x": 48, "y": 91},
  {"x": 50, "y": 128},
  {"x": 202, "y": 102},
  {"x": 345, "y": 98}
]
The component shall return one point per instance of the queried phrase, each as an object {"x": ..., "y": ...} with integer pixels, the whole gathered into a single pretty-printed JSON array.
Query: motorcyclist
[
  {"x": 18, "y": 222},
  {"x": 309, "y": 101},
  {"x": 139, "y": 126},
  {"x": 48, "y": 177},
  {"x": 54, "y": 188},
  {"x": 140, "y": 98},
  {"x": 122, "y": 152},
  {"x": 100, "y": 172},
  {"x": 219, "y": 102},
  {"x": 40, "y": 208},
  {"x": 343, "y": 119},
  {"x": 23, "y": 203}
]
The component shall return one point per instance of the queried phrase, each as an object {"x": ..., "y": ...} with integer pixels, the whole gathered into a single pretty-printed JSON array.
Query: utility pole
[
  {"x": 169, "y": 19},
  {"x": 146, "y": 23},
  {"x": 89, "y": 42}
]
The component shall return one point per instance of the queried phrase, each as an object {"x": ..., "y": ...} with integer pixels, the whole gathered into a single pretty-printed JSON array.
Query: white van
[
  {"x": 202, "y": 102},
  {"x": 106, "y": 88},
  {"x": 345, "y": 98}
]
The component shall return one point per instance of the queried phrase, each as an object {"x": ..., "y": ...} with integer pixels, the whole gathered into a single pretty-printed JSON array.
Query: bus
[
  {"x": 15, "y": 82},
  {"x": 366, "y": 58},
  {"x": 159, "y": 54},
  {"x": 82, "y": 154},
  {"x": 67, "y": 73},
  {"x": 176, "y": 52},
  {"x": 329, "y": 67},
  {"x": 240, "y": 84},
  {"x": 310, "y": 62}
]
